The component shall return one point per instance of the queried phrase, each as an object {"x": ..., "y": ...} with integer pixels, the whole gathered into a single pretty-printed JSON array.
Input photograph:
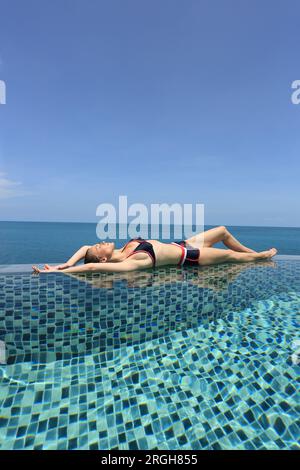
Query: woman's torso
[{"x": 165, "y": 253}]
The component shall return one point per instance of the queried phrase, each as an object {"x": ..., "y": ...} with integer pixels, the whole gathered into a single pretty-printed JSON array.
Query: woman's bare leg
[
  {"x": 216, "y": 235},
  {"x": 209, "y": 256}
]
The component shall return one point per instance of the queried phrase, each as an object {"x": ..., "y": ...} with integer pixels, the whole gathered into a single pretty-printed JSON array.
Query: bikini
[
  {"x": 143, "y": 247},
  {"x": 189, "y": 255}
]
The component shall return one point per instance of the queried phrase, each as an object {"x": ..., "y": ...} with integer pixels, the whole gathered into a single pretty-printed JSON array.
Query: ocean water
[{"x": 37, "y": 242}]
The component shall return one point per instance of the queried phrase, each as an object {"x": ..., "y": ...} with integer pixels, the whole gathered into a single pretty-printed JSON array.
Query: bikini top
[{"x": 144, "y": 247}]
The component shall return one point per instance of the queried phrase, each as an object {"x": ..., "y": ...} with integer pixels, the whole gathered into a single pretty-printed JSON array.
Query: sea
[{"x": 55, "y": 242}]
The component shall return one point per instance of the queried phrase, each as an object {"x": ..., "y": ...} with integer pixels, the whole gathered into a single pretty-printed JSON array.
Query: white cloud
[{"x": 10, "y": 188}]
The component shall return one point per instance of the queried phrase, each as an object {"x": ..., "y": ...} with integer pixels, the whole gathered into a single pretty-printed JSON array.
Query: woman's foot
[
  {"x": 268, "y": 254},
  {"x": 248, "y": 257}
]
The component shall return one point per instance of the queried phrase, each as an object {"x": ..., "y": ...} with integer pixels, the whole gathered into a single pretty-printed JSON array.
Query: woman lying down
[{"x": 140, "y": 254}]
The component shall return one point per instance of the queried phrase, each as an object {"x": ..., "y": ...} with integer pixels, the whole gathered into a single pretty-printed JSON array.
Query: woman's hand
[
  {"x": 37, "y": 270},
  {"x": 57, "y": 267}
]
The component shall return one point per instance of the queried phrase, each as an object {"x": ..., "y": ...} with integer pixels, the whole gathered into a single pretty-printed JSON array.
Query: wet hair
[{"x": 90, "y": 257}]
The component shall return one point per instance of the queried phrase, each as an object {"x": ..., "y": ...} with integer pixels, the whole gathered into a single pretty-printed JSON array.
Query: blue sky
[{"x": 163, "y": 101}]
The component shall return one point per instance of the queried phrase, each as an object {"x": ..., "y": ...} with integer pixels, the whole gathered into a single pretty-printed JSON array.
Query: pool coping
[{"x": 27, "y": 268}]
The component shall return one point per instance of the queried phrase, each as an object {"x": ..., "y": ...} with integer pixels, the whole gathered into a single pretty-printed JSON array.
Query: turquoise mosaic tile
[{"x": 169, "y": 359}]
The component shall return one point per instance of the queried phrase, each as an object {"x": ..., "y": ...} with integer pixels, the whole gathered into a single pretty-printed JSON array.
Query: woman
[{"x": 142, "y": 254}]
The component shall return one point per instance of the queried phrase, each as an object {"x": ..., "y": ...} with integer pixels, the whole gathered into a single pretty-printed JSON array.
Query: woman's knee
[
  {"x": 223, "y": 229},
  {"x": 231, "y": 254}
]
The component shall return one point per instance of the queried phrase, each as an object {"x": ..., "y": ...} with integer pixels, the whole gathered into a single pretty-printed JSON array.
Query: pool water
[{"x": 170, "y": 359}]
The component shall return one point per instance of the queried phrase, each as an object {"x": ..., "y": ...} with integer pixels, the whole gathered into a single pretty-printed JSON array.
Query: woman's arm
[
  {"x": 79, "y": 255},
  {"x": 123, "y": 266}
]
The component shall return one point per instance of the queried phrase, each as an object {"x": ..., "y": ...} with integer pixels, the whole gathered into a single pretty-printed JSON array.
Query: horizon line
[{"x": 76, "y": 222}]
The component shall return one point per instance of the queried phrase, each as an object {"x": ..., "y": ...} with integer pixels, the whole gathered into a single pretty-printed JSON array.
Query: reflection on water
[{"x": 52, "y": 317}]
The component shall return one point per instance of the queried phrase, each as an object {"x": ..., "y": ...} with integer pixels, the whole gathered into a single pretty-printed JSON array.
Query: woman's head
[{"x": 99, "y": 253}]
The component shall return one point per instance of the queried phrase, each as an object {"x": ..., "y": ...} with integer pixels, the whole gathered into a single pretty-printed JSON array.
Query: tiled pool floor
[{"x": 173, "y": 359}]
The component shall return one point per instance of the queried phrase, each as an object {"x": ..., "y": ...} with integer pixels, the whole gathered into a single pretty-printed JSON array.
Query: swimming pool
[{"x": 171, "y": 359}]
